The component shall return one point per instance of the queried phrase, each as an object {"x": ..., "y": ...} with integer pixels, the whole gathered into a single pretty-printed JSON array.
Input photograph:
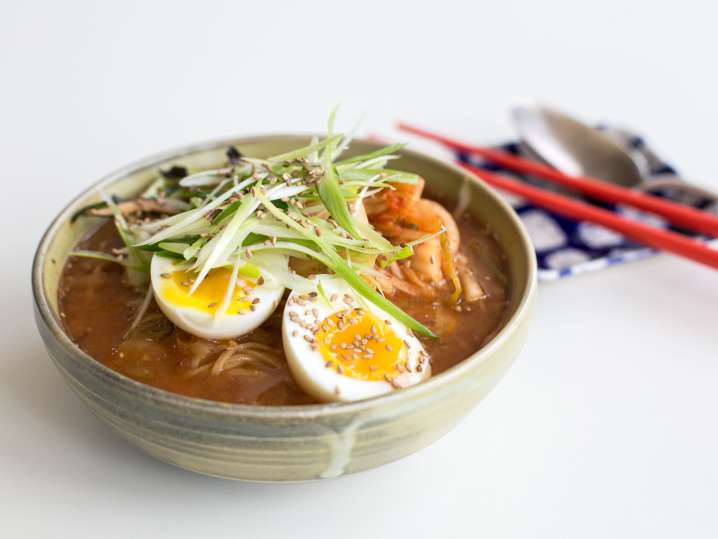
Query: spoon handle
[{"x": 674, "y": 182}]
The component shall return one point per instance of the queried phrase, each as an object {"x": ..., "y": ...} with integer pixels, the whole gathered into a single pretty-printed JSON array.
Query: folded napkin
[{"x": 566, "y": 247}]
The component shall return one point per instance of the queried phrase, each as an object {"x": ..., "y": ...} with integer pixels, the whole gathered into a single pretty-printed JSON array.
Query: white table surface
[{"x": 606, "y": 424}]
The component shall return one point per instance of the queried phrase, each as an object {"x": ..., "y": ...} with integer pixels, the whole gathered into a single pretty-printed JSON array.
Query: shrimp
[
  {"x": 435, "y": 211},
  {"x": 402, "y": 216}
]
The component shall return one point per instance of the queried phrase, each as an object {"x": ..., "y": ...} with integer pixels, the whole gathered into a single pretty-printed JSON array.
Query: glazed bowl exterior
[{"x": 286, "y": 443}]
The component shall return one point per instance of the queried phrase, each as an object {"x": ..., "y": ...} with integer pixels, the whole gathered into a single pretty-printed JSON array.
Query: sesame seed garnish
[
  {"x": 295, "y": 333},
  {"x": 255, "y": 301}
]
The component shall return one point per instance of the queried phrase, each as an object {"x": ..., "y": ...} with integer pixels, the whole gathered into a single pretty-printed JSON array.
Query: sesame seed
[{"x": 255, "y": 301}]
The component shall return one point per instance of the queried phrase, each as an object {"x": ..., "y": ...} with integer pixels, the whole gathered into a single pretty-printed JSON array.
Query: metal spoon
[{"x": 575, "y": 148}]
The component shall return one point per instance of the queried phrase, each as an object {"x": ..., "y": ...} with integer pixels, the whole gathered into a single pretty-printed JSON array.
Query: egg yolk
[
  {"x": 359, "y": 345},
  {"x": 209, "y": 294}
]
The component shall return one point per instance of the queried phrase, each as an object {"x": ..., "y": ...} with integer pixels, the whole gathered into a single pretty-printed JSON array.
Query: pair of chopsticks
[{"x": 666, "y": 240}]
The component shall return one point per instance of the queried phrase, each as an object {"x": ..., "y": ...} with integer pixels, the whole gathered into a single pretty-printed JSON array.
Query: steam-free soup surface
[{"x": 98, "y": 305}]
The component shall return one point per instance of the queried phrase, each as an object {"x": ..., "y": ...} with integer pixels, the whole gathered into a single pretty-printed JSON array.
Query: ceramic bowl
[{"x": 289, "y": 443}]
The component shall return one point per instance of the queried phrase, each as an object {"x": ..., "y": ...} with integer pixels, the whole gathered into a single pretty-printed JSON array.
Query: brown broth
[{"x": 98, "y": 305}]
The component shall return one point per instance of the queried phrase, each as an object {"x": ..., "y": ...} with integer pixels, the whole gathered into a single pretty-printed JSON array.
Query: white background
[{"x": 606, "y": 425}]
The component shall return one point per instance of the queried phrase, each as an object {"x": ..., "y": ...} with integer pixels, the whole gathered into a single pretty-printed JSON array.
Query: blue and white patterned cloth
[{"x": 565, "y": 247}]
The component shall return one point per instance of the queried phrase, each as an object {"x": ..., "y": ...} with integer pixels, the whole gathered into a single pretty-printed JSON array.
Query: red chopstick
[
  {"x": 647, "y": 235},
  {"x": 677, "y": 214}
]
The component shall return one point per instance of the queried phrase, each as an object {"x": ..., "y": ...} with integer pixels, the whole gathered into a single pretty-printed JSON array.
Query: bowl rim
[{"x": 299, "y": 411}]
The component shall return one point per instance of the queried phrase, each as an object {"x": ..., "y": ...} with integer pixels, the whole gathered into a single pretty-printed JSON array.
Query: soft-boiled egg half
[
  {"x": 254, "y": 298},
  {"x": 342, "y": 349}
]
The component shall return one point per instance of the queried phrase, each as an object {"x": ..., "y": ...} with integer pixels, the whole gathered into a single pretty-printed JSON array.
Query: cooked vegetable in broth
[{"x": 295, "y": 279}]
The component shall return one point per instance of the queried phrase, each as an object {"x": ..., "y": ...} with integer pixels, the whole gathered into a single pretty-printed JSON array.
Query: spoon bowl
[
  {"x": 580, "y": 150},
  {"x": 573, "y": 147}
]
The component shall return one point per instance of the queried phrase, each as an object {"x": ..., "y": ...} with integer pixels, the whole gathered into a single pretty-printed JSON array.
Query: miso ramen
[{"x": 299, "y": 278}]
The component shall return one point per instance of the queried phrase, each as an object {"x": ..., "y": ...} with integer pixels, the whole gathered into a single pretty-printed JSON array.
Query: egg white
[
  {"x": 307, "y": 364},
  {"x": 217, "y": 325}
]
